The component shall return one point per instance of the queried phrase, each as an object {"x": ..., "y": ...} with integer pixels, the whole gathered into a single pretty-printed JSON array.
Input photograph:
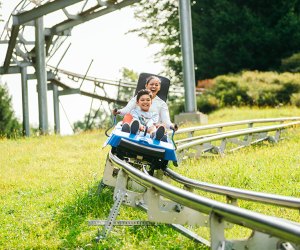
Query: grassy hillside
[{"x": 48, "y": 188}]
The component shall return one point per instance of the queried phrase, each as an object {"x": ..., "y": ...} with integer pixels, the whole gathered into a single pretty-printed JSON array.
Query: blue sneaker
[
  {"x": 125, "y": 128},
  {"x": 164, "y": 138},
  {"x": 134, "y": 127},
  {"x": 160, "y": 132}
]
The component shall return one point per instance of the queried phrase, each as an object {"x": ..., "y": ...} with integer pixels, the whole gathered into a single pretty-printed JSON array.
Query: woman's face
[{"x": 153, "y": 85}]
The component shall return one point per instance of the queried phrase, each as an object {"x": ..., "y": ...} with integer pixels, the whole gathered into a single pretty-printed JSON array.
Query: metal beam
[
  {"x": 56, "y": 109},
  {"x": 87, "y": 16},
  {"x": 103, "y": 98},
  {"x": 188, "y": 55},
  {"x": 50, "y": 76},
  {"x": 69, "y": 91},
  {"x": 42, "y": 10},
  {"x": 25, "y": 105},
  {"x": 11, "y": 46},
  {"x": 10, "y": 70},
  {"x": 40, "y": 68}
]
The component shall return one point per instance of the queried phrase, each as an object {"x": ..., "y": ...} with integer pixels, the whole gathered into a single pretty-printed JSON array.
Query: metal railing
[
  {"x": 283, "y": 229},
  {"x": 250, "y": 123},
  {"x": 251, "y": 134},
  {"x": 269, "y": 232},
  {"x": 236, "y": 193}
]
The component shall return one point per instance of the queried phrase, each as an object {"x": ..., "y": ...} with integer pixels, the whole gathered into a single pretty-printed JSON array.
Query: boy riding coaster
[
  {"x": 145, "y": 147},
  {"x": 142, "y": 119}
]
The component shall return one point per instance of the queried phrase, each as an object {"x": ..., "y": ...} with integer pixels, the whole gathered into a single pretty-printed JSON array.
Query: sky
[{"x": 103, "y": 40}]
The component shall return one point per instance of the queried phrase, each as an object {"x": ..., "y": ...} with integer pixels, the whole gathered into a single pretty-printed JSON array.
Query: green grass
[{"x": 48, "y": 188}]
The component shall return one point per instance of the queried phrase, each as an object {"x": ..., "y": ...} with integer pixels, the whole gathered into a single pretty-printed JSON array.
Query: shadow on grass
[{"x": 73, "y": 219}]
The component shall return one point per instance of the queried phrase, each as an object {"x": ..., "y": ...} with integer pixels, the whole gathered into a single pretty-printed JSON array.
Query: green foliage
[
  {"x": 161, "y": 26},
  {"x": 9, "y": 125},
  {"x": 100, "y": 118},
  {"x": 262, "y": 89},
  {"x": 175, "y": 107},
  {"x": 291, "y": 64},
  {"x": 207, "y": 103},
  {"x": 1, "y": 20},
  {"x": 228, "y": 35},
  {"x": 295, "y": 100},
  {"x": 94, "y": 120},
  {"x": 284, "y": 94},
  {"x": 229, "y": 92},
  {"x": 267, "y": 98},
  {"x": 48, "y": 188},
  {"x": 128, "y": 76}
]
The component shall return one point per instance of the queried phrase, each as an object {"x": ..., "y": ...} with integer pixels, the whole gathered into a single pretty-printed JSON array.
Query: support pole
[
  {"x": 56, "y": 109},
  {"x": 25, "y": 106},
  {"x": 187, "y": 50},
  {"x": 40, "y": 68},
  {"x": 188, "y": 55}
]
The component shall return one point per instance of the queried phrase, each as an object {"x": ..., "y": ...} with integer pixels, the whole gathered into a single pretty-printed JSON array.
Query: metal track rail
[
  {"x": 251, "y": 135},
  {"x": 165, "y": 203},
  {"x": 236, "y": 193},
  {"x": 276, "y": 227},
  {"x": 130, "y": 86},
  {"x": 229, "y": 125},
  {"x": 250, "y": 124}
]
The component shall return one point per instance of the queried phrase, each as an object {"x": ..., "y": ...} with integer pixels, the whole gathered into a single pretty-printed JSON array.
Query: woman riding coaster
[
  {"x": 155, "y": 152},
  {"x": 153, "y": 83}
]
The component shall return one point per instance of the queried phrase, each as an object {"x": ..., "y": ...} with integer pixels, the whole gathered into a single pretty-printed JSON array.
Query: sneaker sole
[
  {"x": 125, "y": 128},
  {"x": 134, "y": 128},
  {"x": 160, "y": 132}
]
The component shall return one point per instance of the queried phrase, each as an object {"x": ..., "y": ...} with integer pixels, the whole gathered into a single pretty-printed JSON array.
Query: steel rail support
[
  {"x": 40, "y": 67},
  {"x": 56, "y": 109},
  {"x": 275, "y": 227},
  {"x": 25, "y": 105},
  {"x": 187, "y": 55},
  {"x": 42, "y": 10}
]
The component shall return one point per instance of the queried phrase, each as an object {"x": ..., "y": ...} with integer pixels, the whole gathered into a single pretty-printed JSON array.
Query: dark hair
[
  {"x": 152, "y": 77},
  {"x": 143, "y": 92}
]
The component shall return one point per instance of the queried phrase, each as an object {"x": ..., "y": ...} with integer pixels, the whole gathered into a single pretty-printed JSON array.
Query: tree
[
  {"x": 1, "y": 11},
  {"x": 9, "y": 125},
  {"x": 291, "y": 64},
  {"x": 253, "y": 35},
  {"x": 161, "y": 26},
  {"x": 96, "y": 119},
  {"x": 128, "y": 76},
  {"x": 101, "y": 118},
  {"x": 228, "y": 35}
]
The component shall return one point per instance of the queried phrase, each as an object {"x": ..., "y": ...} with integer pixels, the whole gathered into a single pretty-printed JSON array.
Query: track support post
[
  {"x": 119, "y": 196},
  {"x": 257, "y": 240}
]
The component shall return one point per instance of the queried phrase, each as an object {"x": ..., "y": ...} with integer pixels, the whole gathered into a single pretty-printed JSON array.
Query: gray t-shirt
[{"x": 145, "y": 118}]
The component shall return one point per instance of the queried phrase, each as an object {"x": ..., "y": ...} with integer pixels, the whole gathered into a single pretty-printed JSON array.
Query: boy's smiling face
[{"x": 144, "y": 102}]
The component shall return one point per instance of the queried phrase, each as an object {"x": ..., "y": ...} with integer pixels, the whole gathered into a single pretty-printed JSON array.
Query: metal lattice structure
[
  {"x": 22, "y": 45},
  {"x": 31, "y": 43},
  {"x": 33, "y": 37}
]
